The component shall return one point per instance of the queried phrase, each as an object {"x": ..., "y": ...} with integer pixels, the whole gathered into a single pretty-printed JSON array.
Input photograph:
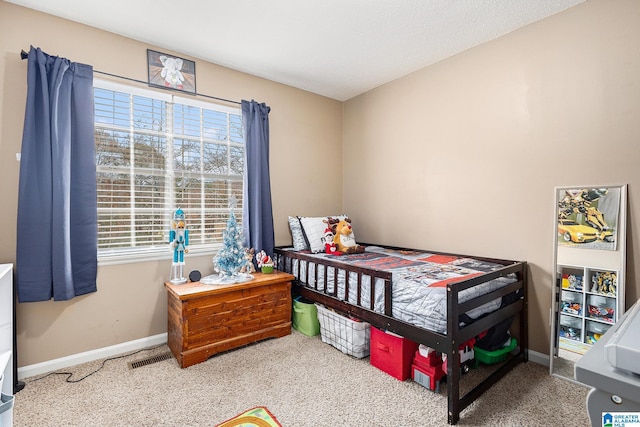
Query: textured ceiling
[{"x": 335, "y": 48}]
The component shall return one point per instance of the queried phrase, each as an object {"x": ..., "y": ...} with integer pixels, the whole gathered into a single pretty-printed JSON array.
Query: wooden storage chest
[{"x": 204, "y": 320}]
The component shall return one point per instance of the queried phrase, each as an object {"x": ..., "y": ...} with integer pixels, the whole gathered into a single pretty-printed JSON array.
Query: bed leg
[
  {"x": 454, "y": 400},
  {"x": 453, "y": 386},
  {"x": 453, "y": 418}
]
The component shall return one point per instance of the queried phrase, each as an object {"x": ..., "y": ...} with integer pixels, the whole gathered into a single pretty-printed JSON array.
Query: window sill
[{"x": 122, "y": 257}]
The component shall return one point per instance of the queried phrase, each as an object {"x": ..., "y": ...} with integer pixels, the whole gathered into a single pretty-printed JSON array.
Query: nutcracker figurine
[{"x": 179, "y": 239}]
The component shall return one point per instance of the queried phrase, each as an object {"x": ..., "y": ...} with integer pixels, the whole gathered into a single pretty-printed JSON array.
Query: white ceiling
[{"x": 335, "y": 48}]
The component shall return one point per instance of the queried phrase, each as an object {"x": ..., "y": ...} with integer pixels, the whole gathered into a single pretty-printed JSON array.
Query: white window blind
[{"x": 155, "y": 153}]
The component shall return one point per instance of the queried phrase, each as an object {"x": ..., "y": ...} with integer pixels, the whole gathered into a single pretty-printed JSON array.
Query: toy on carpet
[{"x": 428, "y": 370}]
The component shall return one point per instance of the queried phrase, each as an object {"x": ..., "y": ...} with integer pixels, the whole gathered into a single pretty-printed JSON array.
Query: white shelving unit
[{"x": 588, "y": 305}]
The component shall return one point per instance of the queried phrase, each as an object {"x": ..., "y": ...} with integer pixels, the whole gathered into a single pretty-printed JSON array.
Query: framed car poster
[{"x": 588, "y": 217}]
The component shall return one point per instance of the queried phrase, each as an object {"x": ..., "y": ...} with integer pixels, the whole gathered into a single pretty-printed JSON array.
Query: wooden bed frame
[{"x": 445, "y": 343}]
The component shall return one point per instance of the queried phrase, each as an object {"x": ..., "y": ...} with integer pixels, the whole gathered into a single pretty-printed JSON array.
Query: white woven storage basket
[{"x": 349, "y": 336}]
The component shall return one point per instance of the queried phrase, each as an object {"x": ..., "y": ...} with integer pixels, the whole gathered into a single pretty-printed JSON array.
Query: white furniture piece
[
  {"x": 589, "y": 269},
  {"x": 6, "y": 344},
  {"x": 611, "y": 366}
]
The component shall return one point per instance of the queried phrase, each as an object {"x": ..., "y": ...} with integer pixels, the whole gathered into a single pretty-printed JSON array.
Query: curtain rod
[{"x": 24, "y": 55}]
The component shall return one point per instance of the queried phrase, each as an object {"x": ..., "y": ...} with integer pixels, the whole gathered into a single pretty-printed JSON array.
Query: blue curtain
[
  {"x": 257, "y": 214},
  {"x": 56, "y": 253}
]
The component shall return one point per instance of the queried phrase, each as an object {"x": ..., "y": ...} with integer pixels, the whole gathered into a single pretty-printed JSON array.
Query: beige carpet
[{"x": 302, "y": 381}]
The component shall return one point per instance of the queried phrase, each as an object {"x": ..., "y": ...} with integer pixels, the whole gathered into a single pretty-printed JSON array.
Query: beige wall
[
  {"x": 131, "y": 302},
  {"x": 463, "y": 156}
]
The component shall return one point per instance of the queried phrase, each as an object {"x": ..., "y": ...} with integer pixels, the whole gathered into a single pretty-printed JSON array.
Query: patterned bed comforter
[{"x": 419, "y": 282}]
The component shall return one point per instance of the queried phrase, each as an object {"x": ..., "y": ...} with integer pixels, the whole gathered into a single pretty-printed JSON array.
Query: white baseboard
[
  {"x": 88, "y": 356},
  {"x": 118, "y": 349},
  {"x": 539, "y": 358}
]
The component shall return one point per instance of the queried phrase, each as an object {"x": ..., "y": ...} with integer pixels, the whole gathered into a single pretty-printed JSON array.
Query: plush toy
[
  {"x": 343, "y": 238},
  {"x": 329, "y": 246},
  {"x": 249, "y": 267}
]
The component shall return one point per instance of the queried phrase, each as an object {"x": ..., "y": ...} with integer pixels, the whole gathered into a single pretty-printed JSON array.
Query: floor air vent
[{"x": 149, "y": 360}]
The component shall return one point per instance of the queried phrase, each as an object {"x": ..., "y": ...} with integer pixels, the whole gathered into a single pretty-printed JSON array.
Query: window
[{"x": 156, "y": 152}]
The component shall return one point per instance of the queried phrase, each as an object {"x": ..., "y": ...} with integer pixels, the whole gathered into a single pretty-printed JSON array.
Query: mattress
[{"x": 419, "y": 281}]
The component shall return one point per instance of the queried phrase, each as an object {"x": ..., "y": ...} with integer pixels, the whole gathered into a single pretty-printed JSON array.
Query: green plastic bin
[
  {"x": 305, "y": 317},
  {"x": 496, "y": 356}
]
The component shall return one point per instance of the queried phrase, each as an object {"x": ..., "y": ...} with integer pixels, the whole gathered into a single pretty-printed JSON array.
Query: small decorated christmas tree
[{"x": 231, "y": 258}]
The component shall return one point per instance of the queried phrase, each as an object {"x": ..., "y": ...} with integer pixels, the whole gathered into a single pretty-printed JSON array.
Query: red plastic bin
[{"x": 392, "y": 353}]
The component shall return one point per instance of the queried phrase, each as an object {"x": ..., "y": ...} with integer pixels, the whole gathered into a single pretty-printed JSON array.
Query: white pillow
[
  {"x": 313, "y": 228},
  {"x": 297, "y": 235}
]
